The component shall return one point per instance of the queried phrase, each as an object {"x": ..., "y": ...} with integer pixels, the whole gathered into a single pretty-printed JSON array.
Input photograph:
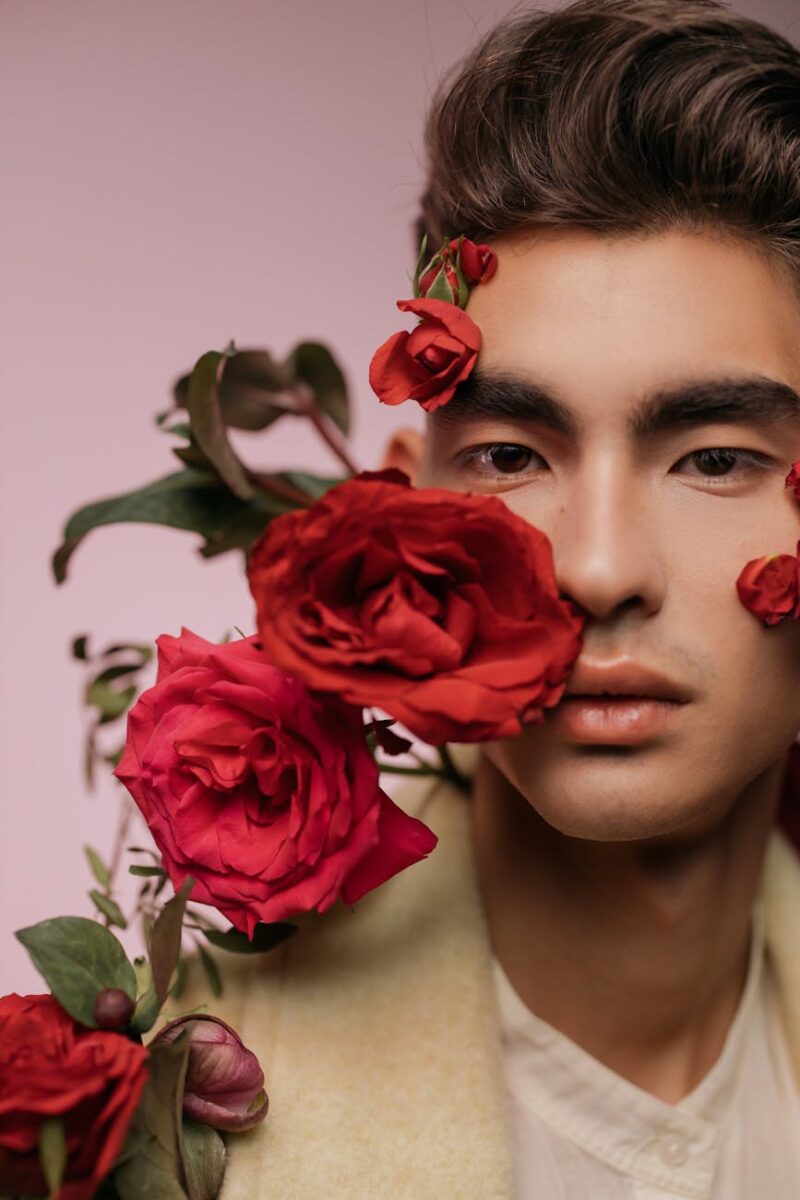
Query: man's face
[{"x": 651, "y": 522}]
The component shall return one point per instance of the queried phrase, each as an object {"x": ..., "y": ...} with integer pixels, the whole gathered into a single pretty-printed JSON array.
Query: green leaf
[
  {"x": 136, "y": 869},
  {"x": 78, "y": 958},
  {"x": 422, "y": 261},
  {"x": 254, "y": 390},
  {"x": 265, "y": 937},
  {"x": 440, "y": 288},
  {"x": 109, "y": 908},
  {"x": 98, "y": 867},
  {"x": 153, "y": 1168},
  {"x": 203, "y": 1160},
  {"x": 211, "y": 971},
  {"x": 315, "y": 365},
  {"x": 208, "y": 426},
  {"x": 109, "y": 702},
  {"x": 52, "y": 1152},
  {"x": 165, "y": 940},
  {"x": 147, "y": 1009},
  {"x": 190, "y": 499}
]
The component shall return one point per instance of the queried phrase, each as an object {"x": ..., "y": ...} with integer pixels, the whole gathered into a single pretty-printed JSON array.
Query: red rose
[
  {"x": 440, "y": 608},
  {"x": 266, "y": 795},
  {"x": 793, "y": 479},
  {"x": 440, "y": 263},
  {"x": 50, "y": 1066},
  {"x": 768, "y": 587},
  {"x": 427, "y": 364},
  {"x": 478, "y": 262}
]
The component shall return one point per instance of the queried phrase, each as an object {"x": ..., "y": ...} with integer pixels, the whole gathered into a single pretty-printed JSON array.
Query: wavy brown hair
[{"x": 620, "y": 116}]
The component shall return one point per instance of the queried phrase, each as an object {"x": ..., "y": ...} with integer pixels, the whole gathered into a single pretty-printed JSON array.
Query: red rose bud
[
  {"x": 768, "y": 587},
  {"x": 439, "y": 608},
  {"x": 224, "y": 1082},
  {"x": 427, "y": 364},
  {"x": 793, "y": 479},
  {"x": 478, "y": 262},
  {"x": 267, "y": 795},
  {"x": 441, "y": 278},
  {"x": 51, "y": 1066},
  {"x": 113, "y": 1008}
]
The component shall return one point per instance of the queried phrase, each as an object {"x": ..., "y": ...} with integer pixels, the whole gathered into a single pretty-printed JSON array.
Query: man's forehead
[{"x": 491, "y": 394}]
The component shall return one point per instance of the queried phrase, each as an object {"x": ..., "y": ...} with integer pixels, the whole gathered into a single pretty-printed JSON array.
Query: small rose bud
[
  {"x": 769, "y": 587},
  {"x": 478, "y": 261},
  {"x": 224, "y": 1082},
  {"x": 113, "y": 1008}
]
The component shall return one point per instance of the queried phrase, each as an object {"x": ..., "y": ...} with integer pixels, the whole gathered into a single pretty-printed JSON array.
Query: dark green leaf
[
  {"x": 153, "y": 1169},
  {"x": 52, "y": 1152},
  {"x": 98, "y": 867},
  {"x": 265, "y": 937},
  {"x": 315, "y": 365},
  {"x": 208, "y": 426},
  {"x": 180, "y": 980},
  {"x": 211, "y": 971},
  {"x": 254, "y": 390},
  {"x": 135, "y": 869},
  {"x": 109, "y": 908},
  {"x": 203, "y": 1160},
  {"x": 165, "y": 940},
  {"x": 78, "y": 958},
  {"x": 180, "y": 429},
  {"x": 80, "y": 647},
  {"x": 191, "y": 499},
  {"x": 440, "y": 288},
  {"x": 147, "y": 1009},
  {"x": 144, "y": 651}
]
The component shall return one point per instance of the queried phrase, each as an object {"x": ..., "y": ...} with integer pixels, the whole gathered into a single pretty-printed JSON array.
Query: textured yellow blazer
[{"x": 377, "y": 1032}]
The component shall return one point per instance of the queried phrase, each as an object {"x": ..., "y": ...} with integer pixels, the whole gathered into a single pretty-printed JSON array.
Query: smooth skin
[{"x": 618, "y": 882}]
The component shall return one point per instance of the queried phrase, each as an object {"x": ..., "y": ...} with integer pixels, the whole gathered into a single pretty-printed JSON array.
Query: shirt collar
[{"x": 656, "y": 1142}]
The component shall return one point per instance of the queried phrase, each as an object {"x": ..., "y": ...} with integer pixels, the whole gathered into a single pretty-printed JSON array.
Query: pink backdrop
[{"x": 176, "y": 175}]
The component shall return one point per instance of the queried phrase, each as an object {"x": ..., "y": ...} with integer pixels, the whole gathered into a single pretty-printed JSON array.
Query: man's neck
[{"x": 636, "y": 952}]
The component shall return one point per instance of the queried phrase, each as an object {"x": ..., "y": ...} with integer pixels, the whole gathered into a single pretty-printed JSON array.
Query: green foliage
[
  {"x": 52, "y": 1152},
  {"x": 203, "y": 1160},
  {"x": 150, "y": 1164},
  {"x": 165, "y": 940},
  {"x": 314, "y": 364},
  {"x": 211, "y": 971},
  {"x": 265, "y": 937},
  {"x": 78, "y": 958},
  {"x": 109, "y": 908},
  {"x": 208, "y": 424},
  {"x": 98, "y": 868}
]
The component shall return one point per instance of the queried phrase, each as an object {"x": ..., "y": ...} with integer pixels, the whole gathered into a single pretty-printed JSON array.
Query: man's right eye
[{"x": 499, "y": 460}]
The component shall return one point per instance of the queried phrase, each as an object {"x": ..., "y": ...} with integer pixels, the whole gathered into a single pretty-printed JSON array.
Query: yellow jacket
[{"x": 377, "y": 1032}]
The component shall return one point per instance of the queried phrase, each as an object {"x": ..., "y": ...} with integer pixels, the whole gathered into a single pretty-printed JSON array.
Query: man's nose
[{"x": 606, "y": 546}]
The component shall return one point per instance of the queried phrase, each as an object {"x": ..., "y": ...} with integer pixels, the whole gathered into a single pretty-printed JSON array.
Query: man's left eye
[
  {"x": 723, "y": 461},
  {"x": 499, "y": 458}
]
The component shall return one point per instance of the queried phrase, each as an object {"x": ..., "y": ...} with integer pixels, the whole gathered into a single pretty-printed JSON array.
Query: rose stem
[
  {"x": 284, "y": 491},
  {"x": 307, "y": 407},
  {"x": 408, "y": 770},
  {"x": 451, "y": 770}
]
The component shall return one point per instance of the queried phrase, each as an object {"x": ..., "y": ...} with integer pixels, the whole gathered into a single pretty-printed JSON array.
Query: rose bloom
[
  {"x": 768, "y": 587},
  {"x": 427, "y": 364},
  {"x": 478, "y": 265},
  {"x": 50, "y": 1066},
  {"x": 224, "y": 1082},
  {"x": 266, "y": 795},
  {"x": 440, "y": 609}
]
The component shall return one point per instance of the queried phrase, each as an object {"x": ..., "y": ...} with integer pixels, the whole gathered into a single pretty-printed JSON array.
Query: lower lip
[{"x": 617, "y": 722}]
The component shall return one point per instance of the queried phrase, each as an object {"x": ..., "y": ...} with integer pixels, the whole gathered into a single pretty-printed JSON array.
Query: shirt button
[{"x": 672, "y": 1149}]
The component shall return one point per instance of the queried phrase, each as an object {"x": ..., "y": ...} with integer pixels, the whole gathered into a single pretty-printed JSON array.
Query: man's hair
[{"x": 619, "y": 116}]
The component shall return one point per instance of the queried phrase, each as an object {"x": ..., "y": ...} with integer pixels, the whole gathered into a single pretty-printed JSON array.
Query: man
[{"x": 608, "y": 1006}]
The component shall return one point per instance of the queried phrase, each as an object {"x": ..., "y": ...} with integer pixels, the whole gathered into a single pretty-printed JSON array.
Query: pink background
[{"x": 175, "y": 175}]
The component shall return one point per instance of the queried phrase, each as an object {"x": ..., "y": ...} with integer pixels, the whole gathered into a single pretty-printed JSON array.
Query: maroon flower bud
[
  {"x": 224, "y": 1082},
  {"x": 113, "y": 1008}
]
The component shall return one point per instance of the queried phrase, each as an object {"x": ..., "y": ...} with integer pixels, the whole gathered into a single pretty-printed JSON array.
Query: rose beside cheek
[
  {"x": 769, "y": 587},
  {"x": 50, "y": 1066}
]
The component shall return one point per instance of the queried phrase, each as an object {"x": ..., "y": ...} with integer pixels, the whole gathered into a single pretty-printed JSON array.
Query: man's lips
[{"x": 619, "y": 703}]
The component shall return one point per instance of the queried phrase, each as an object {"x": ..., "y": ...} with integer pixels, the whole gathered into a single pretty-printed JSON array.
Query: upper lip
[{"x": 623, "y": 679}]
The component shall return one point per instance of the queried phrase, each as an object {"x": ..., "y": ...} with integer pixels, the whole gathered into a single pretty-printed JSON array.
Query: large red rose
[
  {"x": 427, "y": 364},
  {"x": 440, "y": 608},
  {"x": 50, "y": 1066},
  {"x": 769, "y": 587},
  {"x": 266, "y": 795}
]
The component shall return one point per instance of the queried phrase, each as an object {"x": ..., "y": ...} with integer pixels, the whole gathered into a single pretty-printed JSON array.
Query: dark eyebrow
[{"x": 746, "y": 401}]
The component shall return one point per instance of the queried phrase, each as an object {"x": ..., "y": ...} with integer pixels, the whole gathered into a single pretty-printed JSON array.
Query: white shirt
[{"x": 582, "y": 1132}]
